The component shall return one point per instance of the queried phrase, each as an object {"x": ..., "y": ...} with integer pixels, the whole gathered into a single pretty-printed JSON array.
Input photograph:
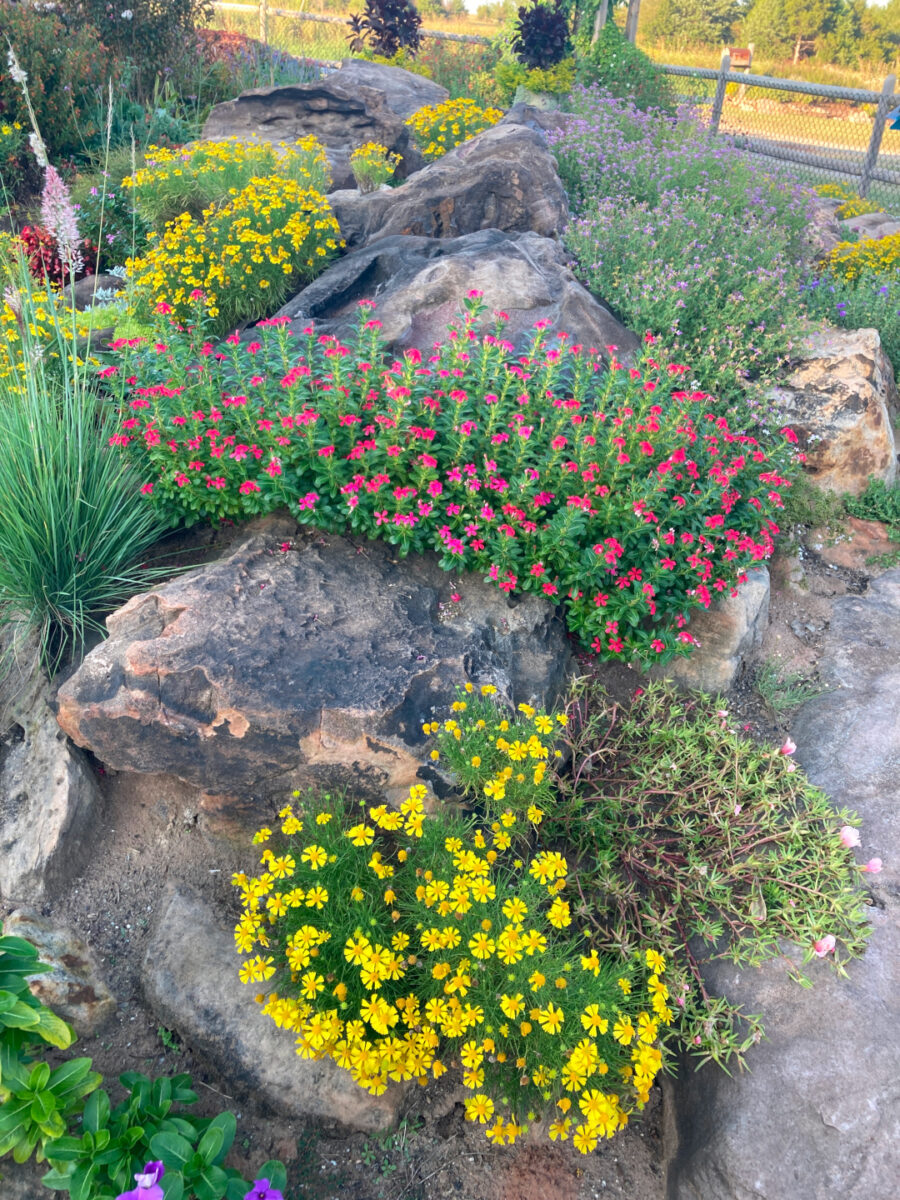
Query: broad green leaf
[{"x": 172, "y": 1149}]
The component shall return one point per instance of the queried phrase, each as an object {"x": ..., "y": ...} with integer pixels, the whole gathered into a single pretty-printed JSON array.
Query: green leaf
[
  {"x": 174, "y": 1150},
  {"x": 276, "y": 1173},
  {"x": 210, "y": 1144},
  {"x": 210, "y": 1184},
  {"x": 227, "y": 1122},
  {"x": 96, "y": 1112},
  {"x": 172, "y": 1185},
  {"x": 57, "y": 1180}
]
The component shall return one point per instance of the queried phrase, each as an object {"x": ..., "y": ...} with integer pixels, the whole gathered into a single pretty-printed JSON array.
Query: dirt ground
[{"x": 156, "y": 832}]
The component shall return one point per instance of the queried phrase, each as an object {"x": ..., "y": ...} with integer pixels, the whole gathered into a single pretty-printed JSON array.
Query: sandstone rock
[
  {"x": 404, "y": 92},
  {"x": 419, "y": 283},
  {"x": 818, "y": 1115},
  {"x": 824, "y": 231},
  {"x": 339, "y": 110},
  {"x": 74, "y": 988},
  {"x": 856, "y": 546},
  {"x": 190, "y": 981},
  {"x": 275, "y": 670},
  {"x": 872, "y": 225},
  {"x": 49, "y": 800},
  {"x": 727, "y": 634},
  {"x": 503, "y": 179},
  {"x": 840, "y": 400}
]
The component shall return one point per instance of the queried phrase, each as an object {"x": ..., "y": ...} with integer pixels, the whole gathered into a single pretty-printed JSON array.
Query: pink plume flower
[{"x": 58, "y": 217}]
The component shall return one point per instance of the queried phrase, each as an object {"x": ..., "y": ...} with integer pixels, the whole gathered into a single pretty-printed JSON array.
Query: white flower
[
  {"x": 126, "y": 15},
  {"x": 38, "y": 150},
  {"x": 19, "y": 75}
]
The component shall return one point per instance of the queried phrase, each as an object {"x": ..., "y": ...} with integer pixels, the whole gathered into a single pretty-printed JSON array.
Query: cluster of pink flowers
[{"x": 608, "y": 488}]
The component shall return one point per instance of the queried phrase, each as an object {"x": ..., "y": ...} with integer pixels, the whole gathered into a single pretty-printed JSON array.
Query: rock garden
[{"x": 450, "y": 594}]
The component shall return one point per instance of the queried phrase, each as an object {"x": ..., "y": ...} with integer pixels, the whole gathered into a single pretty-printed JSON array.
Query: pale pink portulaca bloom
[
  {"x": 824, "y": 946},
  {"x": 849, "y": 836},
  {"x": 788, "y": 748},
  {"x": 58, "y": 217},
  {"x": 873, "y": 866}
]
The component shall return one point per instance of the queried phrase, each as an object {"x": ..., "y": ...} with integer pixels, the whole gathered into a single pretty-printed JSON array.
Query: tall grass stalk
[{"x": 73, "y": 525}]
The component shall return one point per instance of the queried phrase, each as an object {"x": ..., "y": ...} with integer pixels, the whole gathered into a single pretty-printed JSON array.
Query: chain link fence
[{"x": 826, "y": 134}]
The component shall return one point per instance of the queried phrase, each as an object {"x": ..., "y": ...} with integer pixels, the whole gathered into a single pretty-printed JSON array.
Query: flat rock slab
[
  {"x": 272, "y": 669},
  {"x": 505, "y": 178},
  {"x": 841, "y": 399},
  {"x": 74, "y": 987},
  {"x": 419, "y": 283},
  {"x": 190, "y": 979},
  {"x": 819, "y": 1115}
]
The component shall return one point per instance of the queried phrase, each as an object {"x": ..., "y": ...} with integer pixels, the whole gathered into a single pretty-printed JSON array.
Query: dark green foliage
[
  {"x": 542, "y": 36},
  {"x": 386, "y": 27},
  {"x": 624, "y": 71}
]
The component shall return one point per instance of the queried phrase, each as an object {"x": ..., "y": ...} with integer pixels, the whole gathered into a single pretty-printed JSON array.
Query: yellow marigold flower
[
  {"x": 625, "y": 985},
  {"x": 655, "y": 962},
  {"x": 361, "y": 835},
  {"x": 559, "y": 1129},
  {"x": 262, "y": 835},
  {"x": 475, "y": 760},
  {"x": 323, "y": 818},
  {"x": 592, "y": 1021},
  {"x": 479, "y": 1108},
  {"x": 315, "y": 856},
  {"x": 559, "y": 915},
  {"x": 551, "y": 1018},
  {"x": 623, "y": 1031}
]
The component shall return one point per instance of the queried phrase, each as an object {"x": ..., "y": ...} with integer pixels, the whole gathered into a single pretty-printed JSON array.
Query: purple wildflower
[
  {"x": 147, "y": 1181},
  {"x": 262, "y": 1190}
]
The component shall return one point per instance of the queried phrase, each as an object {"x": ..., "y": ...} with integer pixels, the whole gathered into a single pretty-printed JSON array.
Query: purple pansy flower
[
  {"x": 147, "y": 1184},
  {"x": 261, "y": 1190}
]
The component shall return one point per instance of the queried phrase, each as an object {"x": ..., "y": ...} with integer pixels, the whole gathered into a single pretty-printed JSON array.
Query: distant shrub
[
  {"x": 624, "y": 71},
  {"x": 386, "y": 27},
  {"x": 65, "y": 68}
]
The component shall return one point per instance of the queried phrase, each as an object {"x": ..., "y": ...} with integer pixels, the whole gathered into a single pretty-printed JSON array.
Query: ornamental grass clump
[
  {"x": 372, "y": 165},
  {"x": 240, "y": 261},
  {"x": 438, "y": 128},
  {"x": 615, "y": 491},
  {"x": 400, "y": 945},
  {"x": 191, "y": 179}
]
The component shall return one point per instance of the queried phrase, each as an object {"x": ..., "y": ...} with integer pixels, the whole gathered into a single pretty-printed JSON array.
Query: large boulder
[
  {"x": 276, "y": 668},
  {"x": 49, "y": 799},
  {"x": 872, "y": 225},
  {"x": 840, "y": 400},
  {"x": 505, "y": 178},
  {"x": 191, "y": 984},
  {"x": 341, "y": 110},
  {"x": 404, "y": 92},
  {"x": 818, "y": 1114},
  {"x": 418, "y": 284},
  {"x": 727, "y": 633}
]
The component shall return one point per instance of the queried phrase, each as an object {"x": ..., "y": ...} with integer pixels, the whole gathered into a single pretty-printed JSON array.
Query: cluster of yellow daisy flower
[
  {"x": 195, "y": 177},
  {"x": 499, "y": 757},
  {"x": 401, "y": 945},
  {"x": 239, "y": 260},
  {"x": 372, "y": 165},
  {"x": 439, "y": 127}
]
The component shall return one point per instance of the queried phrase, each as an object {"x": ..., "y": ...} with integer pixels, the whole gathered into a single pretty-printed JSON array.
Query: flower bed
[{"x": 616, "y": 491}]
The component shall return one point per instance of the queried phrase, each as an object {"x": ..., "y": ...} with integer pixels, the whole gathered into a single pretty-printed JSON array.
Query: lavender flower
[{"x": 147, "y": 1181}]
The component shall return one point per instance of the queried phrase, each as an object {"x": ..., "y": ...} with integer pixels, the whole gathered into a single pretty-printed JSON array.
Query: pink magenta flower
[
  {"x": 849, "y": 837},
  {"x": 873, "y": 866},
  {"x": 263, "y": 1190},
  {"x": 824, "y": 946},
  {"x": 147, "y": 1184},
  {"x": 788, "y": 748}
]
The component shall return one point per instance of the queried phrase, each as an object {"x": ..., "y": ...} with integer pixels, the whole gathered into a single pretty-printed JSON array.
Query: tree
[
  {"x": 784, "y": 26},
  {"x": 694, "y": 22}
]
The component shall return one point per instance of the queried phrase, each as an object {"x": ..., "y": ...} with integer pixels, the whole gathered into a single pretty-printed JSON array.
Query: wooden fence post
[
  {"x": 264, "y": 22},
  {"x": 881, "y": 114},
  {"x": 719, "y": 99}
]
